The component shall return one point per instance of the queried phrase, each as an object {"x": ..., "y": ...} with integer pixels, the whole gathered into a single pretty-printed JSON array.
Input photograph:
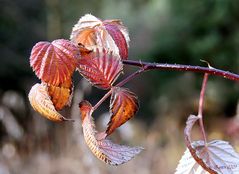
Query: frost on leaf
[
  {"x": 101, "y": 69},
  {"x": 214, "y": 157},
  {"x": 103, "y": 149},
  {"x": 41, "y": 102},
  {"x": 94, "y": 34},
  {"x": 123, "y": 106},
  {"x": 61, "y": 95},
  {"x": 54, "y": 62}
]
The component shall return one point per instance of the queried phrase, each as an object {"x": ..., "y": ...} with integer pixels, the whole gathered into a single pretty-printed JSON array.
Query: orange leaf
[
  {"x": 100, "y": 68},
  {"x": 94, "y": 34},
  {"x": 83, "y": 50},
  {"x": 41, "y": 102},
  {"x": 105, "y": 150},
  {"x": 86, "y": 37},
  {"x": 61, "y": 95},
  {"x": 123, "y": 106},
  {"x": 54, "y": 62}
]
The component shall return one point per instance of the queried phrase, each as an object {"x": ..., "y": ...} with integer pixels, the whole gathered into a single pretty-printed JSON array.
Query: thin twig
[
  {"x": 200, "y": 107},
  {"x": 123, "y": 82},
  {"x": 130, "y": 77},
  {"x": 102, "y": 99}
]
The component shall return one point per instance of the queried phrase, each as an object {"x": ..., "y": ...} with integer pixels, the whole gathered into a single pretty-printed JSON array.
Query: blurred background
[{"x": 166, "y": 31}]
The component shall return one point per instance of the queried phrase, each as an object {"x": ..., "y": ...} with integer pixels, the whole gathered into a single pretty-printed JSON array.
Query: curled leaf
[
  {"x": 94, "y": 34},
  {"x": 54, "y": 62},
  {"x": 215, "y": 157},
  {"x": 218, "y": 156},
  {"x": 123, "y": 106},
  {"x": 103, "y": 149},
  {"x": 192, "y": 119},
  {"x": 100, "y": 68},
  {"x": 120, "y": 37},
  {"x": 61, "y": 95},
  {"x": 41, "y": 102}
]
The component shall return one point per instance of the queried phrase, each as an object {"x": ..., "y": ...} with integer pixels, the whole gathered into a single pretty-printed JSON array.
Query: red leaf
[
  {"x": 41, "y": 102},
  {"x": 54, "y": 62},
  {"x": 103, "y": 149},
  {"x": 94, "y": 34},
  {"x": 61, "y": 95},
  {"x": 123, "y": 106},
  {"x": 119, "y": 39},
  {"x": 100, "y": 68}
]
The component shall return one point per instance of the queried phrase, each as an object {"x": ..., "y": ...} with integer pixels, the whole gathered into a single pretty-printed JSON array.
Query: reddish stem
[
  {"x": 102, "y": 99},
  {"x": 178, "y": 67},
  {"x": 200, "y": 107},
  {"x": 124, "y": 81},
  {"x": 130, "y": 77}
]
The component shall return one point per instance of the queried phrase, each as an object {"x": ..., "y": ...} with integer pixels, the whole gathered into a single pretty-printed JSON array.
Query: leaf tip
[{"x": 85, "y": 108}]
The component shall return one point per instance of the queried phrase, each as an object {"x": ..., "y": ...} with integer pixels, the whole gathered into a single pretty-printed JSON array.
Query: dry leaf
[
  {"x": 61, "y": 95},
  {"x": 100, "y": 68},
  {"x": 123, "y": 106},
  {"x": 94, "y": 34},
  {"x": 103, "y": 149},
  {"x": 54, "y": 62},
  {"x": 119, "y": 39},
  {"x": 83, "y": 50},
  {"x": 41, "y": 102}
]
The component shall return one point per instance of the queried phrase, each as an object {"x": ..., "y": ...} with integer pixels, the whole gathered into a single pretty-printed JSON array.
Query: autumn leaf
[
  {"x": 104, "y": 149},
  {"x": 54, "y": 62},
  {"x": 123, "y": 106},
  {"x": 119, "y": 38},
  {"x": 101, "y": 69},
  {"x": 83, "y": 50},
  {"x": 41, "y": 102},
  {"x": 61, "y": 95},
  {"x": 94, "y": 34}
]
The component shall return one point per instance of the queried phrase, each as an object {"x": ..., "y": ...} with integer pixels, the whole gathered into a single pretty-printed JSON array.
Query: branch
[{"x": 178, "y": 67}]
